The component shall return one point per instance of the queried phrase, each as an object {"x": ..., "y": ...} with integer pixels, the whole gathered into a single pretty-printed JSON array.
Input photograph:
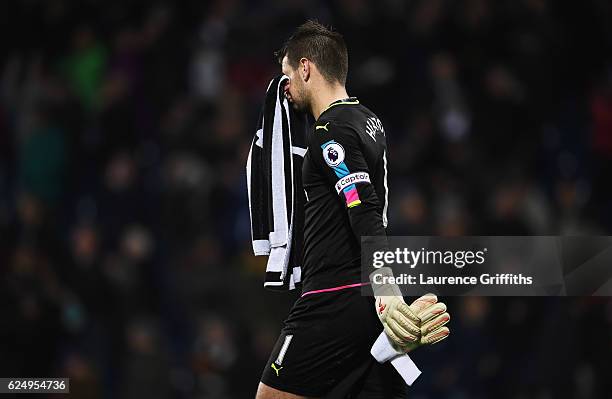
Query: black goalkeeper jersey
[{"x": 345, "y": 180}]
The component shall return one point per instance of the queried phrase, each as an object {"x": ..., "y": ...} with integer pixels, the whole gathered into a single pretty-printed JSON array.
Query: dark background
[{"x": 125, "y": 258}]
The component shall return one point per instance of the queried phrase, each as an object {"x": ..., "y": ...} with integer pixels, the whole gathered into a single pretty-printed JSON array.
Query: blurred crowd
[{"x": 125, "y": 255}]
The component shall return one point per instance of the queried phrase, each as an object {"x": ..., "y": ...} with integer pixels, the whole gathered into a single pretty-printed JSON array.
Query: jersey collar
[{"x": 347, "y": 101}]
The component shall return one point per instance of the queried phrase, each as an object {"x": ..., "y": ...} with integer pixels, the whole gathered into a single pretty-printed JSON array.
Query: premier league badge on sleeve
[{"x": 333, "y": 153}]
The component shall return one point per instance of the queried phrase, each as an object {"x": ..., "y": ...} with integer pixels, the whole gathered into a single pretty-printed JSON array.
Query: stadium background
[{"x": 125, "y": 258}]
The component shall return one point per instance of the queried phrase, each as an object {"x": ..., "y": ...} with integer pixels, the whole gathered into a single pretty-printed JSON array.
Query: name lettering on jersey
[
  {"x": 346, "y": 181},
  {"x": 373, "y": 126},
  {"x": 333, "y": 153},
  {"x": 322, "y": 127}
]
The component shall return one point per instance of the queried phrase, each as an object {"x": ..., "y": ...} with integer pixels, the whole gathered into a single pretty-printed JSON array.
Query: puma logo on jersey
[
  {"x": 373, "y": 126},
  {"x": 277, "y": 370},
  {"x": 276, "y": 365},
  {"x": 322, "y": 127}
]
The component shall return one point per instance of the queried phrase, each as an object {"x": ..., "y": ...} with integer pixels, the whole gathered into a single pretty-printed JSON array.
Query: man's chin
[{"x": 298, "y": 107}]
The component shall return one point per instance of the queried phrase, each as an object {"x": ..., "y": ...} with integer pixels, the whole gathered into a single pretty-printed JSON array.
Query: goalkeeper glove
[
  {"x": 401, "y": 324},
  {"x": 433, "y": 319},
  {"x": 409, "y": 327}
]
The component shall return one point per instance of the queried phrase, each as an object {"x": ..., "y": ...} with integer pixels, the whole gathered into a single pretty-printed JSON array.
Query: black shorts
[{"x": 324, "y": 350}]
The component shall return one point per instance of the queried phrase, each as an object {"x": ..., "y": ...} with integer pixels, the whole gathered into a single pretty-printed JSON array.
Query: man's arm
[{"x": 341, "y": 159}]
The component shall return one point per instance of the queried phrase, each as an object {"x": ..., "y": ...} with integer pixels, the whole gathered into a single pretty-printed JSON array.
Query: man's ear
[{"x": 305, "y": 69}]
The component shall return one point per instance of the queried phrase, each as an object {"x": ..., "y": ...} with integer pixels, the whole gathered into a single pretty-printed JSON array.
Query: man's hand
[
  {"x": 409, "y": 327},
  {"x": 401, "y": 324},
  {"x": 433, "y": 318}
]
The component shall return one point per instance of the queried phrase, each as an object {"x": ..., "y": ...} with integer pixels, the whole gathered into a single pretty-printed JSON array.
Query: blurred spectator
[{"x": 84, "y": 66}]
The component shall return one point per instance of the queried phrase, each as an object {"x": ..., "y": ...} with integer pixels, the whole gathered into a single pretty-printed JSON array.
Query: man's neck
[{"x": 325, "y": 96}]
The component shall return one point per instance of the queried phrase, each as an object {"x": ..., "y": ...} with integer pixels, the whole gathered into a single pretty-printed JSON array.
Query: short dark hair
[{"x": 324, "y": 47}]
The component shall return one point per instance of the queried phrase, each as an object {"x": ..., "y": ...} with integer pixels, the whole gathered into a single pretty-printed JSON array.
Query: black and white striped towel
[{"x": 274, "y": 180}]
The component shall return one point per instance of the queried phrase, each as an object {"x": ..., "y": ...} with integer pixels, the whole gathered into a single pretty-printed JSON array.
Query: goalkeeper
[{"x": 324, "y": 347}]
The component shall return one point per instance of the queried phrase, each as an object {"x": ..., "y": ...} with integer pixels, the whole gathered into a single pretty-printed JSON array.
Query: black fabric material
[
  {"x": 329, "y": 353},
  {"x": 333, "y": 230}
]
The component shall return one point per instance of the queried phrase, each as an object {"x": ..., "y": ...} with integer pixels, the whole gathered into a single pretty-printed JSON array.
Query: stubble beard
[{"x": 303, "y": 103}]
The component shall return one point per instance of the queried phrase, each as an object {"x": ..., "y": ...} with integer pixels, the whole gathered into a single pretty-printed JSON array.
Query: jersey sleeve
[{"x": 337, "y": 150}]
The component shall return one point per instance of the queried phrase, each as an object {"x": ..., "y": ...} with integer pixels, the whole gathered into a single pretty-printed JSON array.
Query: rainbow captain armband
[
  {"x": 347, "y": 183},
  {"x": 352, "y": 197},
  {"x": 333, "y": 154}
]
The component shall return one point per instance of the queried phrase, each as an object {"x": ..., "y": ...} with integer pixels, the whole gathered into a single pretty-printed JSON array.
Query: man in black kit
[{"x": 324, "y": 348}]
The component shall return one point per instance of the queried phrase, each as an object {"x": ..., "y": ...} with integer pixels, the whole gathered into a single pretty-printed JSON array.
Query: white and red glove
[{"x": 409, "y": 327}]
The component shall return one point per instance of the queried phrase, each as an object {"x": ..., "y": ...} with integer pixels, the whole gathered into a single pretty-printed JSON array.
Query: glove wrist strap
[{"x": 383, "y": 288}]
